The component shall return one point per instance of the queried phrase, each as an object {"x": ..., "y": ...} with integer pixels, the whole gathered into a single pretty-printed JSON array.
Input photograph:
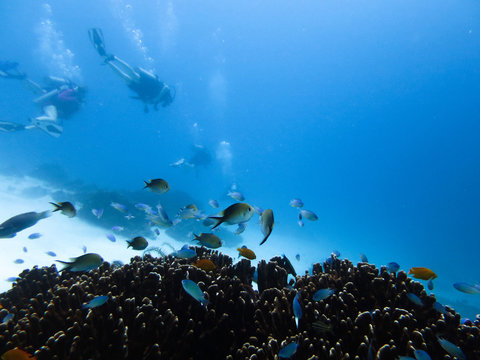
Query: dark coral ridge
[{"x": 150, "y": 316}]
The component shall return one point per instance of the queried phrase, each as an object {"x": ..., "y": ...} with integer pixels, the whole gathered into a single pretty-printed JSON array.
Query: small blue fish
[
  {"x": 415, "y": 299},
  {"x": 467, "y": 288},
  {"x": 296, "y": 203},
  {"x": 117, "y": 228},
  {"x": 322, "y": 294},
  {"x": 213, "y": 203},
  {"x": 120, "y": 207},
  {"x": 95, "y": 302},
  {"x": 194, "y": 291},
  {"x": 393, "y": 267},
  {"x": 440, "y": 308},
  {"x": 241, "y": 228},
  {"x": 129, "y": 217},
  {"x": 117, "y": 263},
  {"x": 7, "y": 318},
  {"x": 297, "y": 257},
  {"x": 258, "y": 210},
  {"x": 13, "y": 279},
  {"x": 51, "y": 253},
  {"x": 363, "y": 258},
  {"x": 236, "y": 195},
  {"x": 430, "y": 284},
  {"x": 34, "y": 236},
  {"x": 309, "y": 215},
  {"x": 111, "y": 237},
  {"x": 18, "y": 261},
  {"x": 336, "y": 253},
  {"x": 288, "y": 351},
  {"x": 97, "y": 212},
  {"x": 25, "y": 249},
  {"x": 185, "y": 253},
  {"x": 297, "y": 309},
  {"x": 84, "y": 248},
  {"x": 452, "y": 349},
  {"x": 300, "y": 223},
  {"x": 144, "y": 207},
  {"x": 422, "y": 355}
]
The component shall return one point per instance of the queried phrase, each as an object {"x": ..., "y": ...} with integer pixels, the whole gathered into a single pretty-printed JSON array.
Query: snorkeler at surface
[
  {"x": 150, "y": 90},
  {"x": 60, "y": 98}
]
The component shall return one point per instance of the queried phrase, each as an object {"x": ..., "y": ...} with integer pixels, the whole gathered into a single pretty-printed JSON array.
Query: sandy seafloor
[{"x": 67, "y": 236}]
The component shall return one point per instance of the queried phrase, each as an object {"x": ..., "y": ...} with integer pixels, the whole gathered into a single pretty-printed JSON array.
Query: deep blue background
[{"x": 367, "y": 110}]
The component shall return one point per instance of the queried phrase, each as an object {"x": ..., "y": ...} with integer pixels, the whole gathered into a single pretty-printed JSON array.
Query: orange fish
[
  {"x": 205, "y": 264},
  {"x": 422, "y": 273},
  {"x": 245, "y": 252},
  {"x": 17, "y": 354}
]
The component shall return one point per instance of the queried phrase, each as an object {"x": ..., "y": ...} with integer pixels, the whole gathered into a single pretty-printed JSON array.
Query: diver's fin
[
  {"x": 96, "y": 37},
  {"x": 51, "y": 112},
  {"x": 10, "y": 127},
  {"x": 50, "y": 127}
]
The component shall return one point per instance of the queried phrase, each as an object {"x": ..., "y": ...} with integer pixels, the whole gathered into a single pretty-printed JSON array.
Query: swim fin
[
  {"x": 96, "y": 37},
  {"x": 10, "y": 127},
  {"x": 52, "y": 128}
]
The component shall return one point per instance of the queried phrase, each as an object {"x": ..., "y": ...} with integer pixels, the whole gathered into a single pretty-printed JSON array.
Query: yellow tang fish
[
  {"x": 422, "y": 273},
  {"x": 245, "y": 252}
]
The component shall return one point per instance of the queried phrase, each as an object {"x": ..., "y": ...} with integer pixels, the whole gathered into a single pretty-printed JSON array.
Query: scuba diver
[
  {"x": 200, "y": 157},
  {"x": 60, "y": 98},
  {"x": 150, "y": 90},
  {"x": 9, "y": 70}
]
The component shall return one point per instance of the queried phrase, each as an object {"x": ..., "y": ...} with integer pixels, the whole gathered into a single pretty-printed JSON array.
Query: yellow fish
[
  {"x": 422, "y": 273},
  {"x": 247, "y": 253},
  {"x": 17, "y": 354},
  {"x": 158, "y": 186},
  {"x": 205, "y": 264},
  {"x": 234, "y": 214}
]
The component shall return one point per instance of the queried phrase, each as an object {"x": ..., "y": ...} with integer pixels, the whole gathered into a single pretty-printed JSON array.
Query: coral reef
[{"x": 150, "y": 316}]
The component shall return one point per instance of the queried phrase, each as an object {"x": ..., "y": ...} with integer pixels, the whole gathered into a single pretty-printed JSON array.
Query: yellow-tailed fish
[
  {"x": 422, "y": 273},
  {"x": 158, "y": 186},
  {"x": 209, "y": 240},
  {"x": 234, "y": 214},
  {"x": 66, "y": 208},
  {"x": 85, "y": 262},
  {"x": 246, "y": 252},
  {"x": 266, "y": 223}
]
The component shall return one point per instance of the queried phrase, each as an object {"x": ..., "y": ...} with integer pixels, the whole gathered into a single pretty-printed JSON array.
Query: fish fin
[
  {"x": 146, "y": 184},
  {"x": 57, "y": 206},
  {"x": 67, "y": 264},
  {"x": 265, "y": 239},
  {"x": 219, "y": 218}
]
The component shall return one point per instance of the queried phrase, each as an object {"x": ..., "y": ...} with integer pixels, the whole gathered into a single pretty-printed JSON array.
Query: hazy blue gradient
[{"x": 366, "y": 110}]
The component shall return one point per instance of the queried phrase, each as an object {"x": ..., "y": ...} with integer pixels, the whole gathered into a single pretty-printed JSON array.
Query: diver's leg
[{"x": 123, "y": 69}]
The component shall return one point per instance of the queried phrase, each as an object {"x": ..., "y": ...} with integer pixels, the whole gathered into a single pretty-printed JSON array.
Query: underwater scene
[{"x": 239, "y": 180}]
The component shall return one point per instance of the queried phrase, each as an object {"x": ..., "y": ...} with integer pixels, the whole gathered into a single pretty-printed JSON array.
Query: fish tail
[
  {"x": 219, "y": 218},
  {"x": 67, "y": 264},
  {"x": 57, "y": 206},
  {"x": 146, "y": 184}
]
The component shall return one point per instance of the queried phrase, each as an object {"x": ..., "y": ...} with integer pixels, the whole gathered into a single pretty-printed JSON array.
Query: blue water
[{"x": 366, "y": 110}]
